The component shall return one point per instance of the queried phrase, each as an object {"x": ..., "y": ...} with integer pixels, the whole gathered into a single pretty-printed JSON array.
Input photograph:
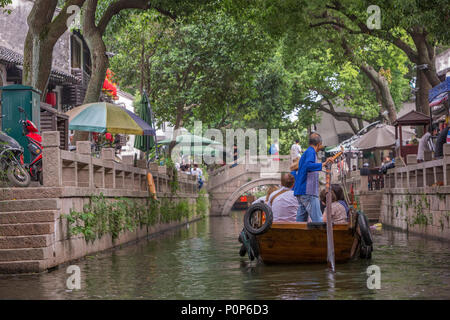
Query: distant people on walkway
[
  {"x": 306, "y": 187},
  {"x": 296, "y": 150},
  {"x": 117, "y": 143},
  {"x": 265, "y": 198},
  {"x": 235, "y": 155},
  {"x": 365, "y": 171},
  {"x": 440, "y": 141},
  {"x": 196, "y": 171},
  {"x": 72, "y": 145},
  {"x": 274, "y": 150},
  {"x": 424, "y": 143},
  {"x": 339, "y": 207},
  {"x": 283, "y": 202}
]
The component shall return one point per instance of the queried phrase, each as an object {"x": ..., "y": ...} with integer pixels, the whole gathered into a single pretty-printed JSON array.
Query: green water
[{"x": 201, "y": 261}]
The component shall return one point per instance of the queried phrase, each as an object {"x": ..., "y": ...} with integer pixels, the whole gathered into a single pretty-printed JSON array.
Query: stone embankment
[{"x": 88, "y": 205}]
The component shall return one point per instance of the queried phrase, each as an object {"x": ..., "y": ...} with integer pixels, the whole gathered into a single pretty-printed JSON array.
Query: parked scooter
[
  {"x": 11, "y": 161},
  {"x": 34, "y": 146}
]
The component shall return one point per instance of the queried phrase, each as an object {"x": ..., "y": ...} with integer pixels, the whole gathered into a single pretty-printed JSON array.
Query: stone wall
[
  {"x": 416, "y": 197},
  {"x": 34, "y": 229},
  {"x": 424, "y": 211},
  {"x": 34, "y": 232}
]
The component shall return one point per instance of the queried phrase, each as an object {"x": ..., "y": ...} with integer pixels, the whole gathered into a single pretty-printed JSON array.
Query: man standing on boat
[{"x": 306, "y": 187}]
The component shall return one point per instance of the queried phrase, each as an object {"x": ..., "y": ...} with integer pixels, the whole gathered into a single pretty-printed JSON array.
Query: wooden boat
[
  {"x": 243, "y": 202},
  {"x": 301, "y": 242}
]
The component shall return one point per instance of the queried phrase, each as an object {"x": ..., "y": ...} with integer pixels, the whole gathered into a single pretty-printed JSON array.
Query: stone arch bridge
[{"x": 227, "y": 184}]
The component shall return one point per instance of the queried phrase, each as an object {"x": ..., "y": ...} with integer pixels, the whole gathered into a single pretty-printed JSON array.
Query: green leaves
[{"x": 103, "y": 216}]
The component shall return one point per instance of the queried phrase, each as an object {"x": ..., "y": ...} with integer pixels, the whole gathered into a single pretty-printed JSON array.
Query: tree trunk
[
  {"x": 380, "y": 83},
  {"x": 44, "y": 30},
  {"x": 423, "y": 86},
  {"x": 99, "y": 66},
  {"x": 178, "y": 125}
]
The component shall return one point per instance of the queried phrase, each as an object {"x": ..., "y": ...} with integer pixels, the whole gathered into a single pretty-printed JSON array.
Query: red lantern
[{"x": 51, "y": 98}]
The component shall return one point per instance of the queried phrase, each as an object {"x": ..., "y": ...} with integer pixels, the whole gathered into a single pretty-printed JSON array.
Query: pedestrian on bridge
[{"x": 296, "y": 150}]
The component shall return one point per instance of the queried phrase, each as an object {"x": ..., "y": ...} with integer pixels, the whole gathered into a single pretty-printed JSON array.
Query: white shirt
[
  {"x": 197, "y": 172},
  {"x": 296, "y": 151},
  {"x": 423, "y": 146},
  {"x": 284, "y": 206},
  {"x": 260, "y": 199}
]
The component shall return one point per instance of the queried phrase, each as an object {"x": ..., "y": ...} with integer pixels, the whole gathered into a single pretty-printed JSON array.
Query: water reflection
[{"x": 201, "y": 261}]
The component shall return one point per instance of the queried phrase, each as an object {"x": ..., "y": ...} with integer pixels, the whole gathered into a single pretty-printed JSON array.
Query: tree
[
  {"x": 203, "y": 70},
  {"x": 4, "y": 3},
  {"x": 134, "y": 45},
  {"x": 44, "y": 31},
  {"x": 99, "y": 14},
  {"x": 415, "y": 27}
]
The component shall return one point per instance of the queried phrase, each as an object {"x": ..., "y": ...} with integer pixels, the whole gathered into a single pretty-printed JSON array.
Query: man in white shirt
[
  {"x": 283, "y": 202},
  {"x": 424, "y": 144},
  {"x": 196, "y": 171},
  {"x": 296, "y": 150}
]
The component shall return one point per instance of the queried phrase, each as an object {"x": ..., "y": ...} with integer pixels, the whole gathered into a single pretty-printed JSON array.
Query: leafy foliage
[{"x": 102, "y": 216}]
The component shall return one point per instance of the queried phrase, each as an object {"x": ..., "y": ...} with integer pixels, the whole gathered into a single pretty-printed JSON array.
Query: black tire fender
[
  {"x": 248, "y": 216},
  {"x": 364, "y": 228}
]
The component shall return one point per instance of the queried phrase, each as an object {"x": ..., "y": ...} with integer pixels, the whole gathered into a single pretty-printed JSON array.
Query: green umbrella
[
  {"x": 189, "y": 139},
  {"x": 145, "y": 143},
  {"x": 198, "y": 150}
]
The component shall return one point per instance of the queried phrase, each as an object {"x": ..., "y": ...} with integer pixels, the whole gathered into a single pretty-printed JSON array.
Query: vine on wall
[{"x": 101, "y": 216}]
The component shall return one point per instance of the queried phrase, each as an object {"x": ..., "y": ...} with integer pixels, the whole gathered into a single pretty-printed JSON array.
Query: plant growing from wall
[
  {"x": 173, "y": 175},
  {"x": 202, "y": 203},
  {"x": 101, "y": 216}
]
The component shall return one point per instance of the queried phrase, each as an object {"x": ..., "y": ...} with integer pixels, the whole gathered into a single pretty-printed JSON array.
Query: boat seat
[{"x": 316, "y": 225}]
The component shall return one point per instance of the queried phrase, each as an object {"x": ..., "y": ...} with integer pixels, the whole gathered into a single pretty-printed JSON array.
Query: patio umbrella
[
  {"x": 198, "y": 150},
  {"x": 107, "y": 117},
  {"x": 381, "y": 137},
  {"x": 145, "y": 143},
  {"x": 190, "y": 139}
]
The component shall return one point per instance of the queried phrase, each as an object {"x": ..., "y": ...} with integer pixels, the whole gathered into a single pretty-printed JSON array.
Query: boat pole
[{"x": 330, "y": 239}]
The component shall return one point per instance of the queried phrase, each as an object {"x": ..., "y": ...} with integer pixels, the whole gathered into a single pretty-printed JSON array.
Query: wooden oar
[{"x": 330, "y": 239}]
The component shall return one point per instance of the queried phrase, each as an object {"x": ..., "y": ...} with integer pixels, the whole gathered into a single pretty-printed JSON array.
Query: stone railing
[
  {"x": 263, "y": 164},
  {"x": 419, "y": 175},
  {"x": 80, "y": 170}
]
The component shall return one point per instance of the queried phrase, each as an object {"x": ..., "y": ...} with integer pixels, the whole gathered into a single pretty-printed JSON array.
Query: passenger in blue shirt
[{"x": 306, "y": 187}]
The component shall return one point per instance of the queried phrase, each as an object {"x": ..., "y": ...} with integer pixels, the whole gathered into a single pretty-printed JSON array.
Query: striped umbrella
[{"x": 107, "y": 117}]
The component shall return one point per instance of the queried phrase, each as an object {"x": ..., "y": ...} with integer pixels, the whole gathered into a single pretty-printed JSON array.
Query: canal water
[{"x": 201, "y": 261}]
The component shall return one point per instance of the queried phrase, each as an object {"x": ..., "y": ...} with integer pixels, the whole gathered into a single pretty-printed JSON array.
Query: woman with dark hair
[{"x": 339, "y": 208}]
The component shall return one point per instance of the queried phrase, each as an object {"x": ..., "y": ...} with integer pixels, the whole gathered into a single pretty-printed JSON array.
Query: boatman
[{"x": 306, "y": 187}]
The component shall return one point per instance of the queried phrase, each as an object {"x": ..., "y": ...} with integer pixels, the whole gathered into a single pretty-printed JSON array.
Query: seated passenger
[
  {"x": 339, "y": 208},
  {"x": 283, "y": 202},
  {"x": 265, "y": 199}
]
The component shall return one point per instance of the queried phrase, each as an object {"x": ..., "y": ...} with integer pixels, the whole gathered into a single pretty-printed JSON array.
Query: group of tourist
[
  {"x": 194, "y": 170},
  {"x": 298, "y": 198},
  {"x": 425, "y": 143}
]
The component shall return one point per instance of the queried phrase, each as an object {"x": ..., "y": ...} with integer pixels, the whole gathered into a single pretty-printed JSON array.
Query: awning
[{"x": 439, "y": 94}]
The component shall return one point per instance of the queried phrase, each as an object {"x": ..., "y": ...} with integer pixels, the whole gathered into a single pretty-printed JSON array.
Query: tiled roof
[{"x": 12, "y": 57}]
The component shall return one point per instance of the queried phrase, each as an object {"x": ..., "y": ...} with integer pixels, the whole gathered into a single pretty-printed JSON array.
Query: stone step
[
  {"x": 30, "y": 193},
  {"x": 27, "y": 216},
  {"x": 27, "y": 205},
  {"x": 27, "y": 229},
  {"x": 18, "y": 242},
  {"x": 27, "y": 266},
  {"x": 23, "y": 254}
]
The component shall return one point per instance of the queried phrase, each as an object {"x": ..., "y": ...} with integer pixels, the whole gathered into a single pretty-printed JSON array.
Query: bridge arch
[{"x": 246, "y": 187}]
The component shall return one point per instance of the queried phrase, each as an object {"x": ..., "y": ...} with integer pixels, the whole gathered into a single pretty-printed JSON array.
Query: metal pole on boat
[{"x": 330, "y": 239}]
